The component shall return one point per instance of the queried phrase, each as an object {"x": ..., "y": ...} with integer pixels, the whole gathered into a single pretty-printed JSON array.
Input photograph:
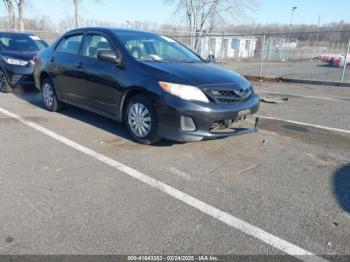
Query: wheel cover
[
  {"x": 48, "y": 94},
  {"x": 139, "y": 120},
  {"x": 3, "y": 81}
]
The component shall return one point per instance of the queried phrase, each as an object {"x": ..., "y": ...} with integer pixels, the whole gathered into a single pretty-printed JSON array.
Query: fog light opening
[{"x": 187, "y": 124}]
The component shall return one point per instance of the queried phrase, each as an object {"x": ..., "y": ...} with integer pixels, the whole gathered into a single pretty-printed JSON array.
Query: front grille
[
  {"x": 225, "y": 96},
  {"x": 227, "y": 100},
  {"x": 223, "y": 93}
]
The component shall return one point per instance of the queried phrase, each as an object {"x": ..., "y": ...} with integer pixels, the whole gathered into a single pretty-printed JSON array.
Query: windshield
[
  {"x": 152, "y": 47},
  {"x": 11, "y": 42}
]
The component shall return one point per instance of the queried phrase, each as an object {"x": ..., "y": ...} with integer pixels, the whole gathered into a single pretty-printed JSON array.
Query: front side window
[
  {"x": 96, "y": 43},
  {"x": 152, "y": 47},
  {"x": 70, "y": 44},
  {"x": 21, "y": 43}
]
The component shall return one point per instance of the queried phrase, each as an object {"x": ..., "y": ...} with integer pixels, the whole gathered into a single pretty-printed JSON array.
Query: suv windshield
[
  {"x": 11, "y": 42},
  {"x": 152, "y": 47}
]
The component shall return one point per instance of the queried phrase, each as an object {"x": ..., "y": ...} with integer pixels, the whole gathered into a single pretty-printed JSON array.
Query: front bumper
[
  {"x": 19, "y": 75},
  {"x": 171, "y": 111}
]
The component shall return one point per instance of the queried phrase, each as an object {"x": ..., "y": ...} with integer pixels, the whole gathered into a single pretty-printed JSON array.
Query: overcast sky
[{"x": 119, "y": 11}]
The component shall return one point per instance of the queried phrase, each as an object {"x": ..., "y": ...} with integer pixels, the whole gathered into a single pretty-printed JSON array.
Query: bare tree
[
  {"x": 77, "y": 12},
  {"x": 20, "y": 5},
  {"x": 11, "y": 14},
  {"x": 203, "y": 15}
]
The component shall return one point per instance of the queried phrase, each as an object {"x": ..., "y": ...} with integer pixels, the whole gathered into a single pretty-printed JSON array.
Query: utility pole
[
  {"x": 290, "y": 29},
  {"x": 340, "y": 31},
  {"x": 291, "y": 18},
  {"x": 318, "y": 28},
  {"x": 317, "y": 36}
]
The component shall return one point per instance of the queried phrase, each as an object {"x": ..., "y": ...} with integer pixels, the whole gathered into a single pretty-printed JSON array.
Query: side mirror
[{"x": 110, "y": 56}]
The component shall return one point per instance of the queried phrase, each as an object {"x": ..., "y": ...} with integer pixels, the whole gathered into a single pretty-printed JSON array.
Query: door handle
[
  {"x": 78, "y": 66},
  {"x": 52, "y": 59}
]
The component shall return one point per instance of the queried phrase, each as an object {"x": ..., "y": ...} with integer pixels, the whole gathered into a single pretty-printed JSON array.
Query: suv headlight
[
  {"x": 15, "y": 61},
  {"x": 184, "y": 91}
]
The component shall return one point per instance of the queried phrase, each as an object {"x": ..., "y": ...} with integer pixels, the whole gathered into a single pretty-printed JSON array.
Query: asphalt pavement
[
  {"x": 85, "y": 187},
  {"x": 307, "y": 69}
]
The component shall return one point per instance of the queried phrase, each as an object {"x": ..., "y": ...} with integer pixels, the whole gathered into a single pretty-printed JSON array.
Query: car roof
[
  {"x": 109, "y": 29},
  {"x": 15, "y": 34}
]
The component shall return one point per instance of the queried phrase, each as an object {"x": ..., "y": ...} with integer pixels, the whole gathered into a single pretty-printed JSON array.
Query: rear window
[{"x": 21, "y": 43}]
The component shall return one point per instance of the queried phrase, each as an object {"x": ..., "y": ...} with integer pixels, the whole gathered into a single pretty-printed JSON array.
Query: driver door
[{"x": 100, "y": 79}]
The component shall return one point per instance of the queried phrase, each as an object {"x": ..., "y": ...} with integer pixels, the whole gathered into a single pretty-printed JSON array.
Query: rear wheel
[
  {"x": 141, "y": 120},
  {"x": 4, "y": 85},
  {"x": 51, "y": 101}
]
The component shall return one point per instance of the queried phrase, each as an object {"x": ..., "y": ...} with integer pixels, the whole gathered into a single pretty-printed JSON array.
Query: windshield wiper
[
  {"x": 188, "y": 61},
  {"x": 180, "y": 61},
  {"x": 170, "y": 61},
  {"x": 152, "y": 60}
]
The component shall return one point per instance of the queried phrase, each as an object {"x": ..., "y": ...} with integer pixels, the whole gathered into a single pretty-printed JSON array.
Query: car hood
[
  {"x": 198, "y": 74},
  {"x": 23, "y": 55}
]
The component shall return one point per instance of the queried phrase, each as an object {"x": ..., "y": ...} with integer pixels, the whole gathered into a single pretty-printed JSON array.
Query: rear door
[
  {"x": 100, "y": 79},
  {"x": 64, "y": 62}
]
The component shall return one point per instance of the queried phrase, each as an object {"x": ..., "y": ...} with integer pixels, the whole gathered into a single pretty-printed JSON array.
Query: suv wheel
[
  {"x": 49, "y": 96},
  {"x": 141, "y": 120},
  {"x": 4, "y": 85}
]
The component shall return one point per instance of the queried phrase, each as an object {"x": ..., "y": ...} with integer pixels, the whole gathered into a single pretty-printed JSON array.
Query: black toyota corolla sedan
[
  {"x": 17, "y": 52},
  {"x": 153, "y": 84}
]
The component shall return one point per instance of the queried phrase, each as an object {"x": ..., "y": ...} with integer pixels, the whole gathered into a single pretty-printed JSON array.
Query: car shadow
[
  {"x": 33, "y": 97},
  {"x": 325, "y": 65},
  {"x": 341, "y": 187}
]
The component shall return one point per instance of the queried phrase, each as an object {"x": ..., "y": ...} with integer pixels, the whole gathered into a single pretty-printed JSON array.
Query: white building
[{"x": 227, "y": 46}]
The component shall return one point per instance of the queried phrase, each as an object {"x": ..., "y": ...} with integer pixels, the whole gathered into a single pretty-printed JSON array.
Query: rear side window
[
  {"x": 70, "y": 44},
  {"x": 96, "y": 43}
]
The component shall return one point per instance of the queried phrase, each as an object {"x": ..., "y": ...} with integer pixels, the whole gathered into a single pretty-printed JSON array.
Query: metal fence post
[
  {"x": 222, "y": 48},
  {"x": 262, "y": 57},
  {"x": 345, "y": 63}
]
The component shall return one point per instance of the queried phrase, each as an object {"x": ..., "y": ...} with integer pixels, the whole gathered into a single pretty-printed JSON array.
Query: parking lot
[{"x": 75, "y": 183}]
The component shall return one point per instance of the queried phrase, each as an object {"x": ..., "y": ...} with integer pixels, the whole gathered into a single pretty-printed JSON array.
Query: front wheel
[
  {"x": 49, "y": 96},
  {"x": 4, "y": 85},
  {"x": 141, "y": 120}
]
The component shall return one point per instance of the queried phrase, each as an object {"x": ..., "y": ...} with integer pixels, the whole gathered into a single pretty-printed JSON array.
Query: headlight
[
  {"x": 14, "y": 61},
  {"x": 183, "y": 91}
]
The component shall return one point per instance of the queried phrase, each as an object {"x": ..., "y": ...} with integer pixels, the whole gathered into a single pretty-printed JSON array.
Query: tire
[
  {"x": 141, "y": 120},
  {"x": 4, "y": 84},
  {"x": 50, "y": 99}
]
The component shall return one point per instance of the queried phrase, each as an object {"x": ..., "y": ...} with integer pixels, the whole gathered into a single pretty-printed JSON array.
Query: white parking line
[
  {"x": 230, "y": 220},
  {"x": 298, "y": 95},
  {"x": 306, "y": 124}
]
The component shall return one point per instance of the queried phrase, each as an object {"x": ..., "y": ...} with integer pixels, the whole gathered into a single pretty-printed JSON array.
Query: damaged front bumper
[{"x": 187, "y": 121}]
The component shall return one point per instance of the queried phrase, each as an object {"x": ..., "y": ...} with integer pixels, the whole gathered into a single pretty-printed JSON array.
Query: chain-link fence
[{"x": 308, "y": 55}]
